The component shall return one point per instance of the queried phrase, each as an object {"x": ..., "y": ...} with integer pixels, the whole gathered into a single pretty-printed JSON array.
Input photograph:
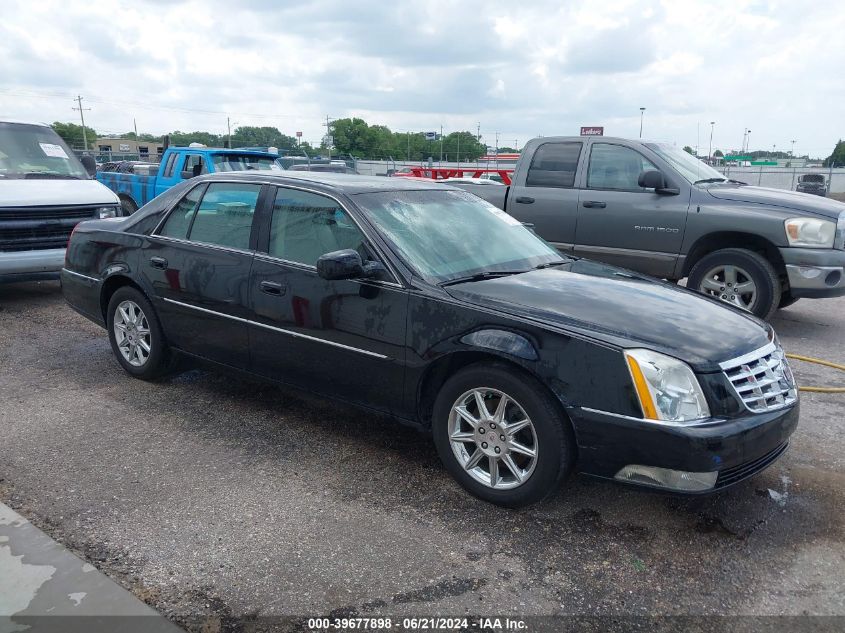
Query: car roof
[{"x": 349, "y": 184}]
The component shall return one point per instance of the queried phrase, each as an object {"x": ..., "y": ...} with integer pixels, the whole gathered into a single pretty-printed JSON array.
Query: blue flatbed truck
[{"x": 179, "y": 164}]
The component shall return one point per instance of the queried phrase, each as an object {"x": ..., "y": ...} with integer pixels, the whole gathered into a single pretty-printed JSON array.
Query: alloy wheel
[
  {"x": 493, "y": 438},
  {"x": 132, "y": 333},
  {"x": 731, "y": 284}
]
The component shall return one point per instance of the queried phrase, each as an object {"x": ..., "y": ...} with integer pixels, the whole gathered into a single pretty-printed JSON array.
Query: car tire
[
  {"x": 710, "y": 276},
  {"x": 138, "y": 345},
  {"x": 128, "y": 205},
  {"x": 549, "y": 434},
  {"x": 786, "y": 300}
]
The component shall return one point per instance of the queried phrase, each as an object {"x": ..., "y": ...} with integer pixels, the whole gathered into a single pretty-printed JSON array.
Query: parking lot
[{"x": 210, "y": 494}]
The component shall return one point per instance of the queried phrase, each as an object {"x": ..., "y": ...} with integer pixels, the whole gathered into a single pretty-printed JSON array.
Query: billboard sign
[
  {"x": 431, "y": 136},
  {"x": 592, "y": 130},
  {"x": 299, "y": 135}
]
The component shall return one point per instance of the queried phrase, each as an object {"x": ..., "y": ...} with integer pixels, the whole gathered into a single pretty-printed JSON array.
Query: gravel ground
[{"x": 210, "y": 495}]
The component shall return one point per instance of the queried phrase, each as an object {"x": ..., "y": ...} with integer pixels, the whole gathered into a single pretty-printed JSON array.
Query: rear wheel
[
  {"x": 135, "y": 335},
  {"x": 502, "y": 435},
  {"x": 740, "y": 277}
]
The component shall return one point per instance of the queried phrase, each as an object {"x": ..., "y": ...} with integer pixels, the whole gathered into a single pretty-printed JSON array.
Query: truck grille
[
  {"x": 40, "y": 228},
  {"x": 762, "y": 379}
]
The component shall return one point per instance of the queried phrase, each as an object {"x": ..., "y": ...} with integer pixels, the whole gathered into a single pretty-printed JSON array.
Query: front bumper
[
  {"x": 736, "y": 448},
  {"x": 815, "y": 272},
  {"x": 27, "y": 263}
]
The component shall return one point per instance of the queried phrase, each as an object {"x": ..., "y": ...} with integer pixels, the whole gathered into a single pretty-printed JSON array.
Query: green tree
[
  {"x": 718, "y": 154},
  {"x": 837, "y": 158},
  {"x": 688, "y": 149},
  {"x": 72, "y": 134},
  {"x": 252, "y": 136},
  {"x": 183, "y": 139}
]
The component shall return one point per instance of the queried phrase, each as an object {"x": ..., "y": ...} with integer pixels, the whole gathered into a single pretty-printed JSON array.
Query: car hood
[
  {"x": 778, "y": 198},
  {"x": 623, "y": 309},
  {"x": 41, "y": 193}
]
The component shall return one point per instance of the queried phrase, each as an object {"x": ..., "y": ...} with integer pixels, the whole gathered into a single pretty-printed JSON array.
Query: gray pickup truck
[{"x": 656, "y": 209}]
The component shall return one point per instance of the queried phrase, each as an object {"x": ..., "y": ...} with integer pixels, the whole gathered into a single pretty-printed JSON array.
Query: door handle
[
  {"x": 594, "y": 204},
  {"x": 158, "y": 262},
  {"x": 272, "y": 288},
  {"x": 525, "y": 200}
]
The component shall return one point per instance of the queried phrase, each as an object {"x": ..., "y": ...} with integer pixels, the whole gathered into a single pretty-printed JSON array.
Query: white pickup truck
[{"x": 45, "y": 191}]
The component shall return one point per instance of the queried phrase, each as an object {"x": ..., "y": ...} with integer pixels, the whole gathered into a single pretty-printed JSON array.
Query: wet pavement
[{"x": 208, "y": 494}]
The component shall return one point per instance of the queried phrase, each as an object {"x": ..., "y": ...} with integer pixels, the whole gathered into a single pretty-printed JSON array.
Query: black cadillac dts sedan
[{"x": 428, "y": 304}]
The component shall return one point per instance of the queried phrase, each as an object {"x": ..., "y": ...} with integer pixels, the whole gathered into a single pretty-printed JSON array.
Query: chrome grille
[{"x": 762, "y": 379}]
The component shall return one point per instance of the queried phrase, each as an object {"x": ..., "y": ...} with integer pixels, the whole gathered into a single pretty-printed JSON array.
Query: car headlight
[
  {"x": 810, "y": 232},
  {"x": 666, "y": 387},
  {"x": 107, "y": 212}
]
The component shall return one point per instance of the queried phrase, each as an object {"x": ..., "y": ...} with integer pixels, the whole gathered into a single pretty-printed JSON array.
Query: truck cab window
[
  {"x": 616, "y": 167},
  {"x": 194, "y": 166},
  {"x": 554, "y": 165}
]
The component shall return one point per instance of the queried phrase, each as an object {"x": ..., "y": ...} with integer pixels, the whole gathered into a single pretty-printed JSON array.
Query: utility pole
[
  {"x": 409, "y": 145},
  {"x": 710, "y": 151},
  {"x": 478, "y": 132},
  {"x": 458, "y": 157},
  {"x": 792, "y": 151},
  {"x": 82, "y": 118},
  {"x": 329, "y": 139},
  {"x": 229, "y": 132},
  {"x": 642, "y": 114},
  {"x": 441, "y": 145}
]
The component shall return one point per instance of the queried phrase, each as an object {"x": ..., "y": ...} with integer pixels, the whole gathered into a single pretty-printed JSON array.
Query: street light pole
[
  {"x": 710, "y": 151},
  {"x": 642, "y": 113},
  {"x": 792, "y": 151}
]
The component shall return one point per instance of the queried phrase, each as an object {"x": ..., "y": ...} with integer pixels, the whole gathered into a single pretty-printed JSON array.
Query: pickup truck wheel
[
  {"x": 135, "y": 335},
  {"x": 129, "y": 207},
  {"x": 501, "y": 435},
  {"x": 740, "y": 277}
]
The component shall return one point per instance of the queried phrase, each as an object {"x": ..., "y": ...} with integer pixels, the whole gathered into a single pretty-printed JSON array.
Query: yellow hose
[{"x": 819, "y": 361}]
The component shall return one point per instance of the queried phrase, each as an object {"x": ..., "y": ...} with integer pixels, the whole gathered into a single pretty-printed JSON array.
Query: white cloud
[{"x": 517, "y": 68}]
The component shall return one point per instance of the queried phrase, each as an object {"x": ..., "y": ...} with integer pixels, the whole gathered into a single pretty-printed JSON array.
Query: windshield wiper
[
  {"x": 706, "y": 180},
  {"x": 38, "y": 175},
  {"x": 481, "y": 277},
  {"x": 550, "y": 264}
]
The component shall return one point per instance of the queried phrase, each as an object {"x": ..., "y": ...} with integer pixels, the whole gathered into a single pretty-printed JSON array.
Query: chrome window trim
[
  {"x": 71, "y": 272},
  {"x": 270, "y": 259},
  {"x": 217, "y": 247},
  {"x": 385, "y": 260},
  {"x": 278, "y": 329}
]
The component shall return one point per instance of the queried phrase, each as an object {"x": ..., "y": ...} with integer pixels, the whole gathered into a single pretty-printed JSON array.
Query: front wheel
[
  {"x": 128, "y": 205},
  {"x": 740, "y": 277},
  {"x": 501, "y": 435},
  {"x": 135, "y": 335}
]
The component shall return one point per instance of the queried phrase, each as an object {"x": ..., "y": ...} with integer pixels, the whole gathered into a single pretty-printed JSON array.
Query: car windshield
[
  {"x": 243, "y": 162},
  {"x": 446, "y": 235},
  {"x": 687, "y": 165},
  {"x": 36, "y": 151},
  {"x": 812, "y": 178}
]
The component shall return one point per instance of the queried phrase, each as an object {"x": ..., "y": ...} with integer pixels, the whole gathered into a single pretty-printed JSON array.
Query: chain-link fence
[{"x": 785, "y": 177}]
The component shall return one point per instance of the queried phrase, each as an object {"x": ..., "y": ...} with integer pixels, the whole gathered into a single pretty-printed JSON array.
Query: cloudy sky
[{"x": 517, "y": 68}]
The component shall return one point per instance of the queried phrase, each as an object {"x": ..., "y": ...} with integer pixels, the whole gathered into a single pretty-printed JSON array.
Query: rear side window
[
  {"x": 179, "y": 220},
  {"x": 554, "y": 165},
  {"x": 224, "y": 216}
]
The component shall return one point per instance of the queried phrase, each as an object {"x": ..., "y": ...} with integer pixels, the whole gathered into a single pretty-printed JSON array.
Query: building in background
[{"x": 114, "y": 148}]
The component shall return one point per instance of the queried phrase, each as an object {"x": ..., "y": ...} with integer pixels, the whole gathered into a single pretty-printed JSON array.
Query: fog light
[
  {"x": 666, "y": 478},
  {"x": 809, "y": 272}
]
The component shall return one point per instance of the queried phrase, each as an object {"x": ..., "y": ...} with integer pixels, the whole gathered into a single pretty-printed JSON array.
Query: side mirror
[
  {"x": 346, "y": 264},
  {"x": 89, "y": 164},
  {"x": 653, "y": 179}
]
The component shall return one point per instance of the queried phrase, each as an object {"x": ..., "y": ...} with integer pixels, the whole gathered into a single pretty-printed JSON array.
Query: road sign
[
  {"x": 592, "y": 130},
  {"x": 299, "y": 135},
  {"x": 737, "y": 157}
]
